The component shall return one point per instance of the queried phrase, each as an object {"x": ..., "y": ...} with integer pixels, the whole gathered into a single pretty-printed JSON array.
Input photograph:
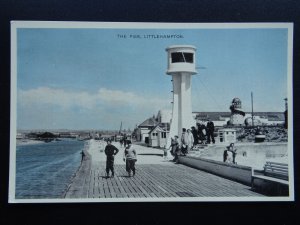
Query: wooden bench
[{"x": 273, "y": 172}]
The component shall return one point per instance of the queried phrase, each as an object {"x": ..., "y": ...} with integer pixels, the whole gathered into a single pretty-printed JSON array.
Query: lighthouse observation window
[{"x": 178, "y": 57}]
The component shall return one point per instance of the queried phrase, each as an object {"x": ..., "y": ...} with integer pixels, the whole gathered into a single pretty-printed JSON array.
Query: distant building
[
  {"x": 142, "y": 133},
  {"x": 236, "y": 117},
  {"x": 158, "y": 137},
  {"x": 84, "y": 136},
  {"x": 265, "y": 118},
  {"x": 20, "y": 136},
  {"x": 67, "y": 135},
  {"x": 221, "y": 119}
]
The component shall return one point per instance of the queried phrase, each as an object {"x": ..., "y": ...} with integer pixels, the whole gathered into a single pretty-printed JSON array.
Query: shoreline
[{"x": 78, "y": 178}]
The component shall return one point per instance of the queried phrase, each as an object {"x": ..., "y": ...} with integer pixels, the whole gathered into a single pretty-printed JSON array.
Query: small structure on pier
[
  {"x": 226, "y": 136},
  {"x": 158, "y": 137}
]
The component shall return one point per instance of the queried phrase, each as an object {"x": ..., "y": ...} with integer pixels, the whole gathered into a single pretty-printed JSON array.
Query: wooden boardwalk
[{"x": 153, "y": 181}]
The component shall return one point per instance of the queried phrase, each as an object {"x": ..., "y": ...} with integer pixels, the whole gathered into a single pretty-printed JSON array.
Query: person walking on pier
[
  {"x": 130, "y": 157},
  {"x": 110, "y": 152}
]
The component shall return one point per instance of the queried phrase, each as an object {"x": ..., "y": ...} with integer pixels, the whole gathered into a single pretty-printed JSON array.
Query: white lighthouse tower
[{"x": 181, "y": 66}]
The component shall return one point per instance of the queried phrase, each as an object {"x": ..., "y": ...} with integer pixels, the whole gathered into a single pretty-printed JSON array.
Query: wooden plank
[
  {"x": 85, "y": 189},
  {"x": 137, "y": 187},
  {"x": 152, "y": 178},
  {"x": 91, "y": 184},
  {"x": 122, "y": 190},
  {"x": 271, "y": 166},
  {"x": 147, "y": 184},
  {"x": 153, "y": 181},
  {"x": 276, "y": 163},
  {"x": 96, "y": 183},
  {"x": 133, "y": 188},
  {"x": 147, "y": 188},
  {"x": 142, "y": 187},
  {"x": 129, "y": 190},
  {"x": 101, "y": 188},
  {"x": 110, "y": 188},
  {"x": 107, "y": 192},
  {"x": 151, "y": 184},
  {"x": 166, "y": 186}
]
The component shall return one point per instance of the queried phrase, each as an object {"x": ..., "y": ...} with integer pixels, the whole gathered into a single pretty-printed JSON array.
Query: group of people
[
  {"x": 204, "y": 134},
  {"x": 191, "y": 137},
  {"x": 123, "y": 141},
  {"x": 187, "y": 141},
  {"x": 129, "y": 157}
]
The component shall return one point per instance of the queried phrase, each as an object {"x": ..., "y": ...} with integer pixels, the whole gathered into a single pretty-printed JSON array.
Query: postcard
[{"x": 151, "y": 112}]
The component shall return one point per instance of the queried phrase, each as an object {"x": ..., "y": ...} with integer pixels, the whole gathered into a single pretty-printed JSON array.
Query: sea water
[{"x": 44, "y": 170}]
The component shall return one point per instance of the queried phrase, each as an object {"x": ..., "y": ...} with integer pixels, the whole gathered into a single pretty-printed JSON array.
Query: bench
[{"x": 273, "y": 172}]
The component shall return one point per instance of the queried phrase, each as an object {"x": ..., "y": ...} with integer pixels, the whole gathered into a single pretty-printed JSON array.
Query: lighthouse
[{"x": 181, "y": 66}]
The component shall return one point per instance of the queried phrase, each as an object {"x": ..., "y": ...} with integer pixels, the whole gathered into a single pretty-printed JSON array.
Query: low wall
[{"x": 234, "y": 172}]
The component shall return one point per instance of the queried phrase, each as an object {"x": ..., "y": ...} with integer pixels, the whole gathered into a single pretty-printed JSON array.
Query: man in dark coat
[
  {"x": 201, "y": 129},
  {"x": 195, "y": 135},
  {"x": 210, "y": 127},
  {"x": 110, "y": 152}
]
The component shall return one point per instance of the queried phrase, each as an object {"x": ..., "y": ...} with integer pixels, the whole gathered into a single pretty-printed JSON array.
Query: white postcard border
[{"x": 128, "y": 25}]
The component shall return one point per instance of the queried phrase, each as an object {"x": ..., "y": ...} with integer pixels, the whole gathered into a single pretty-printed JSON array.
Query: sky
[{"x": 95, "y": 78}]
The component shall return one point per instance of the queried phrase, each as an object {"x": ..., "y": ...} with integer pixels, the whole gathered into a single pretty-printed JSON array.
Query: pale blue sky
[{"x": 91, "y": 79}]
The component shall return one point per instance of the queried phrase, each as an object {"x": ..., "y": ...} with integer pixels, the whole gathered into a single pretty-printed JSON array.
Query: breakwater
[{"x": 78, "y": 187}]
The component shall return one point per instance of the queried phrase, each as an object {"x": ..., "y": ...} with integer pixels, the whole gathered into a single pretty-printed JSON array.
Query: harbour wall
[
  {"x": 233, "y": 172},
  {"x": 76, "y": 188}
]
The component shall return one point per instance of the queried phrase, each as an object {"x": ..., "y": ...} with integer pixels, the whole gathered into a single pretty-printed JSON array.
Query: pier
[{"x": 155, "y": 178}]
